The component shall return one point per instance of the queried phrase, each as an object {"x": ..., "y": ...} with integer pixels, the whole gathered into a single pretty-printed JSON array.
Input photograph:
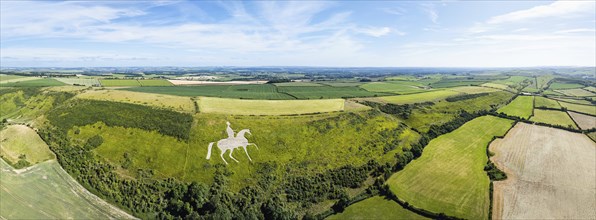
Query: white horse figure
[{"x": 231, "y": 144}]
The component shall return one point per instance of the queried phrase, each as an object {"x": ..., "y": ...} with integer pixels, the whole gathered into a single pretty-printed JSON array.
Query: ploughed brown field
[{"x": 551, "y": 174}]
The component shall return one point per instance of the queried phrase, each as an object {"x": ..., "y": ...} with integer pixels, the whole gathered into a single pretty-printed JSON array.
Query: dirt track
[{"x": 552, "y": 174}]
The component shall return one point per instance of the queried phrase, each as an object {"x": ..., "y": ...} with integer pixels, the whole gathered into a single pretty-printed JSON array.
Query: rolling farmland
[
  {"x": 521, "y": 106},
  {"x": 79, "y": 81},
  {"x": 546, "y": 102},
  {"x": 37, "y": 82},
  {"x": 398, "y": 87},
  {"x": 576, "y": 92},
  {"x": 588, "y": 109},
  {"x": 119, "y": 82},
  {"x": 473, "y": 89},
  {"x": 449, "y": 177},
  {"x": 558, "y": 86},
  {"x": 553, "y": 117},
  {"x": 326, "y": 92},
  {"x": 17, "y": 140},
  {"x": 155, "y": 82},
  {"x": 177, "y": 103},
  {"x": 376, "y": 208},
  {"x": 268, "y": 107},
  {"x": 46, "y": 191},
  {"x": 551, "y": 174},
  {"x": 419, "y": 97},
  {"x": 266, "y": 91}
]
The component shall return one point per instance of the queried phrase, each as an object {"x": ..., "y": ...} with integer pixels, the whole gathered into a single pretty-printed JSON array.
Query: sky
[{"x": 303, "y": 33}]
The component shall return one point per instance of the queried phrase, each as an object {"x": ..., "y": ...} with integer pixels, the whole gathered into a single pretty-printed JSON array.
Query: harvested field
[
  {"x": 268, "y": 107},
  {"x": 17, "y": 140},
  {"x": 550, "y": 172},
  {"x": 177, "y": 103},
  {"x": 473, "y": 89},
  {"x": 154, "y": 82},
  {"x": 497, "y": 86},
  {"x": 449, "y": 177},
  {"x": 179, "y": 82},
  {"x": 376, "y": 208},
  {"x": 521, "y": 107},
  {"x": 419, "y": 97},
  {"x": 46, "y": 191},
  {"x": 553, "y": 117},
  {"x": 576, "y": 92},
  {"x": 584, "y": 121}
]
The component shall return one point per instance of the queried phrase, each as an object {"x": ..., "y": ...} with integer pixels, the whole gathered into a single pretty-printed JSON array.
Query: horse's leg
[
  {"x": 253, "y": 145},
  {"x": 221, "y": 155},
  {"x": 232, "y": 150},
  {"x": 247, "y": 153}
]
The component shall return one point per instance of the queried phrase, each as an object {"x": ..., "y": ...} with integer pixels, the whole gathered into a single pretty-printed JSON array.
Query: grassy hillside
[
  {"x": 21, "y": 146},
  {"x": 449, "y": 177},
  {"x": 545, "y": 102},
  {"x": 119, "y": 82},
  {"x": 398, "y": 87},
  {"x": 268, "y": 107},
  {"x": 521, "y": 106},
  {"x": 48, "y": 192},
  {"x": 419, "y": 97},
  {"x": 33, "y": 83},
  {"x": 24, "y": 105},
  {"x": 176, "y": 103},
  {"x": 376, "y": 208},
  {"x": 326, "y": 92},
  {"x": 266, "y": 91}
]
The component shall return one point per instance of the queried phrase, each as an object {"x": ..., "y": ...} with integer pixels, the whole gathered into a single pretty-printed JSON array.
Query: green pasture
[
  {"x": 449, "y": 177},
  {"x": 398, "y": 87},
  {"x": 42, "y": 82},
  {"x": 419, "y": 97},
  {"x": 546, "y": 102},
  {"x": 560, "y": 85},
  {"x": 575, "y": 101},
  {"x": 576, "y": 92},
  {"x": 473, "y": 89},
  {"x": 79, "y": 81},
  {"x": 154, "y": 82},
  {"x": 268, "y": 107},
  {"x": 588, "y": 109},
  {"x": 21, "y": 142},
  {"x": 375, "y": 208},
  {"x": 521, "y": 106},
  {"x": 265, "y": 91},
  {"x": 297, "y": 84},
  {"x": 553, "y": 117},
  {"x": 326, "y": 92}
]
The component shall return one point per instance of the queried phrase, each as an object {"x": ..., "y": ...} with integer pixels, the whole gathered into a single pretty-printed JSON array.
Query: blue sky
[{"x": 306, "y": 33}]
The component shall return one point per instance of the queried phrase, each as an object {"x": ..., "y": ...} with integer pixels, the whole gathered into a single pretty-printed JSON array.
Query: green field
[
  {"x": 591, "y": 88},
  {"x": 558, "y": 85},
  {"x": 297, "y": 84},
  {"x": 553, "y": 117},
  {"x": 442, "y": 112},
  {"x": 376, "y": 208},
  {"x": 398, "y": 87},
  {"x": 444, "y": 83},
  {"x": 268, "y": 107},
  {"x": 177, "y": 103},
  {"x": 154, "y": 82},
  {"x": 326, "y": 92},
  {"x": 34, "y": 83},
  {"x": 449, "y": 177},
  {"x": 119, "y": 82},
  {"x": 79, "y": 81},
  {"x": 497, "y": 86},
  {"x": 576, "y": 92},
  {"x": 588, "y": 109},
  {"x": 48, "y": 192},
  {"x": 265, "y": 91},
  {"x": 521, "y": 107},
  {"x": 25, "y": 105},
  {"x": 341, "y": 84},
  {"x": 513, "y": 80},
  {"x": 473, "y": 89},
  {"x": 4, "y": 77},
  {"x": 545, "y": 102},
  {"x": 19, "y": 142},
  {"x": 575, "y": 101},
  {"x": 543, "y": 80},
  {"x": 419, "y": 97}
]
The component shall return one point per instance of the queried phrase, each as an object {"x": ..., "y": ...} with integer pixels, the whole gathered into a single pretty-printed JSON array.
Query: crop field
[
  {"x": 17, "y": 140},
  {"x": 543, "y": 80},
  {"x": 119, "y": 82},
  {"x": 37, "y": 82},
  {"x": 419, "y": 97},
  {"x": 588, "y": 109},
  {"x": 46, "y": 191},
  {"x": 268, "y": 107},
  {"x": 155, "y": 82},
  {"x": 79, "y": 81},
  {"x": 574, "y": 101},
  {"x": 584, "y": 121},
  {"x": 444, "y": 83},
  {"x": 521, "y": 106},
  {"x": 546, "y": 102},
  {"x": 512, "y": 81},
  {"x": 473, "y": 89},
  {"x": 558, "y": 85},
  {"x": 591, "y": 88},
  {"x": 576, "y": 92},
  {"x": 441, "y": 112},
  {"x": 550, "y": 172},
  {"x": 497, "y": 86},
  {"x": 176, "y": 103},
  {"x": 265, "y": 91},
  {"x": 449, "y": 177},
  {"x": 14, "y": 78},
  {"x": 341, "y": 84},
  {"x": 326, "y": 92},
  {"x": 552, "y": 117},
  {"x": 297, "y": 84},
  {"x": 398, "y": 87},
  {"x": 5, "y": 77},
  {"x": 375, "y": 208}
]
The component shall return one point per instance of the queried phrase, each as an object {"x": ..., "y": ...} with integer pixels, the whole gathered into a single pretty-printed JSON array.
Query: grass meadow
[
  {"x": 327, "y": 92},
  {"x": 17, "y": 140},
  {"x": 419, "y": 97},
  {"x": 559, "y": 85},
  {"x": 546, "y": 102},
  {"x": 268, "y": 107},
  {"x": 176, "y": 103},
  {"x": 521, "y": 107},
  {"x": 375, "y": 208},
  {"x": 33, "y": 83},
  {"x": 588, "y": 109},
  {"x": 119, "y": 82},
  {"x": 398, "y": 87},
  {"x": 449, "y": 177},
  {"x": 266, "y": 91},
  {"x": 553, "y": 117}
]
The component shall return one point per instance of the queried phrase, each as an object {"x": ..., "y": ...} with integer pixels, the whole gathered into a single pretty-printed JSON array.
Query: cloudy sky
[{"x": 308, "y": 33}]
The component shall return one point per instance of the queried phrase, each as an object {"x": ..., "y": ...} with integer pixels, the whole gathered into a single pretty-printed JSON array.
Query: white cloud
[
  {"x": 376, "y": 31},
  {"x": 432, "y": 13},
  {"x": 556, "y": 9}
]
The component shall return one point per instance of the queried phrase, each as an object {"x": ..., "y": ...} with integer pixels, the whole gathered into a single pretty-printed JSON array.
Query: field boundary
[{"x": 488, "y": 162}]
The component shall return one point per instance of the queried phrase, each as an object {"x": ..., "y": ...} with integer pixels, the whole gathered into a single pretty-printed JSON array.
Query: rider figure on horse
[{"x": 229, "y": 130}]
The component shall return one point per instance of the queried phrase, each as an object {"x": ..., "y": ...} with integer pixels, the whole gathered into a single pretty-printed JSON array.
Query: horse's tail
[{"x": 209, "y": 150}]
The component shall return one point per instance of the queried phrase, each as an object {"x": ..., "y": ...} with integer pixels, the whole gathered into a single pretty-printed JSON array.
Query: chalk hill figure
[{"x": 231, "y": 143}]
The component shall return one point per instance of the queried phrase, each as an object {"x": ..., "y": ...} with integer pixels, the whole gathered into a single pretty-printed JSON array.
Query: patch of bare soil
[
  {"x": 584, "y": 121},
  {"x": 551, "y": 174}
]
